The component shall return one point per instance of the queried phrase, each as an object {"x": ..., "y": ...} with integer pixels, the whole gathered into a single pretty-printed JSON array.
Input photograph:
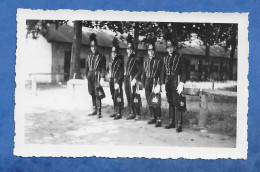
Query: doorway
[{"x": 66, "y": 68}]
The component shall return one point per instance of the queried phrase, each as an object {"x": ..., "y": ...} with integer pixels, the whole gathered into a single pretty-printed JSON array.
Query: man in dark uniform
[
  {"x": 173, "y": 79},
  {"x": 132, "y": 73},
  {"x": 116, "y": 76},
  {"x": 95, "y": 72},
  {"x": 151, "y": 78}
]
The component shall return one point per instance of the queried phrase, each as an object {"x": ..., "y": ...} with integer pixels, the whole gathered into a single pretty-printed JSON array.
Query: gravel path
[{"x": 52, "y": 118}]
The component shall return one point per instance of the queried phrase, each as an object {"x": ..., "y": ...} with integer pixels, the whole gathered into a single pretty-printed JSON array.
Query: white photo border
[{"x": 162, "y": 152}]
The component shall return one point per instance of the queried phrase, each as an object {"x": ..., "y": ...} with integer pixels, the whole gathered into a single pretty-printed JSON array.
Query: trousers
[
  {"x": 92, "y": 84},
  {"x": 112, "y": 91},
  {"x": 130, "y": 94},
  {"x": 154, "y": 111},
  {"x": 171, "y": 83}
]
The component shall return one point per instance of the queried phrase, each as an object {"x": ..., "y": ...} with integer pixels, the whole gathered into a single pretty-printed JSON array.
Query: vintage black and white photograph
[{"x": 131, "y": 84}]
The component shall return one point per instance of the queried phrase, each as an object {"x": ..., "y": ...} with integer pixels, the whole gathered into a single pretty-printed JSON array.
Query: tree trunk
[
  {"x": 233, "y": 48},
  {"x": 136, "y": 35},
  {"x": 231, "y": 62},
  {"x": 175, "y": 34},
  {"x": 207, "y": 55},
  {"x": 75, "y": 54},
  {"x": 207, "y": 60}
]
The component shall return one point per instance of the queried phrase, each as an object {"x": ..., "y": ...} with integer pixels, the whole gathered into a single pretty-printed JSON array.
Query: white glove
[
  {"x": 116, "y": 86},
  {"x": 108, "y": 75},
  {"x": 133, "y": 82},
  {"x": 102, "y": 82},
  {"x": 163, "y": 88},
  {"x": 180, "y": 87},
  {"x": 157, "y": 89}
]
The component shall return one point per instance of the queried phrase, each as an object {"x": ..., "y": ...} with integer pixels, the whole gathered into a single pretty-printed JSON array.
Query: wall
[
  {"x": 37, "y": 59},
  {"x": 58, "y": 54}
]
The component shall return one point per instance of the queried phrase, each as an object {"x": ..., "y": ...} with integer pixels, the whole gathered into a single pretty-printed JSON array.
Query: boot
[
  {"x": 94, "y": 112},
  {"x": 119, "y": 115},
  {"x": 153, "y": 119},
  {"x": 138, "y": 114},
  {"x": 99, "y": 113},
  {"x": 94, "y": 104},
  {"x": 113, "y": 115},
  {"x": 99, "y": 106},
  {"x": 115, "y": 112},
  {"x": 179, "y": 127},
  {"x": 138, "y": 118},
  {"x": 179, "y": 124},
  {"x": 172, "y": 118},
  {"x": 131, "y": 115},
  {"x": 158, "y": 123}
]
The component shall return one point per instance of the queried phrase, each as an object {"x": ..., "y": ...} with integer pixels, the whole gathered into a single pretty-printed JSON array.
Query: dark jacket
[
  {"x": 172, "y": 66},
  {"x": 133, "y": 67},
  {"x": 117, "y": 69},
  {"x": 152, "y": 69},
  {"x": 96, "y": 63}
]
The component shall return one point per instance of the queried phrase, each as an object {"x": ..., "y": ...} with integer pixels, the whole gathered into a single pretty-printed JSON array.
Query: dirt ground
[{"x": 53, "y": 118}]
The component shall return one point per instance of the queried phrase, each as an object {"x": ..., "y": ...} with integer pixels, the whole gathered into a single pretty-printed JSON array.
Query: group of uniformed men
[{"x": 156, "y": 74}]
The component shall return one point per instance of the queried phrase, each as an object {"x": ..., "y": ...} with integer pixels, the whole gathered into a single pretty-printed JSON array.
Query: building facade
[{"x": 51, "y": 56}]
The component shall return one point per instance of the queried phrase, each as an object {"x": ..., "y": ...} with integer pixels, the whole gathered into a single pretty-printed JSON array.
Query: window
[
  {"x": 192, "y": 67},
  {"x": 215, "y": 68}
]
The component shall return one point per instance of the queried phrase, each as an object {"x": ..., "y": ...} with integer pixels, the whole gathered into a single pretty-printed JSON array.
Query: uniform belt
[
  {"x": 170, "y": 73},
  {"x": 149, "y": 76},
  {"x": 128, "y": 74}
]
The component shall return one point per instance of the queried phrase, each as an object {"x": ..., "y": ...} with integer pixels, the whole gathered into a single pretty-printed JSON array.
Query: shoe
[
  {"x": 152, "y": 121},
  {"x": 118, "y": 116},
  {"x": 99, "y": 116},
  {"x": 113, "y": 115},
  {"x": 158, "y": 123},
  {"x": 138, "y": 118},
  {"x": 179, "y": 128},
  {"x": 171, "y": 125},
  {"x": 93, "y": 113},
  {"x": 130, "y": 117}
]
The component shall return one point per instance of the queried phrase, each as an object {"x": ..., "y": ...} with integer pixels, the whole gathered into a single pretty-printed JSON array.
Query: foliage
[
  {"x": 221, "y": 34},
  {"x": 36, "y": 27}
]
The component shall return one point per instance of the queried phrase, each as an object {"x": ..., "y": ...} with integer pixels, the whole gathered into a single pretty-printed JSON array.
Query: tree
[
  {"x": 181, "y": 32},
  {"x": 228, "y": 39},
  {"x": 211, "y": 34},
  {"x": 36, "y": 27},
  {"x": 205, "y": 32},
  {"x": 233, "y": 43},
  {"x": 75, "y": 53},
  {"x": 145, "y": 29}
]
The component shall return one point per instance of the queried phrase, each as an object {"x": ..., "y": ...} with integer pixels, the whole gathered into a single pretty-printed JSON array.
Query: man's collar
[
  {"x": 96, "y": 53},
  {"x": 152, "y": 58},
  {"x": 132, "y": 55},
  {"x": 173, "y": 54},
  {"x": 117, "y": 57}
]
